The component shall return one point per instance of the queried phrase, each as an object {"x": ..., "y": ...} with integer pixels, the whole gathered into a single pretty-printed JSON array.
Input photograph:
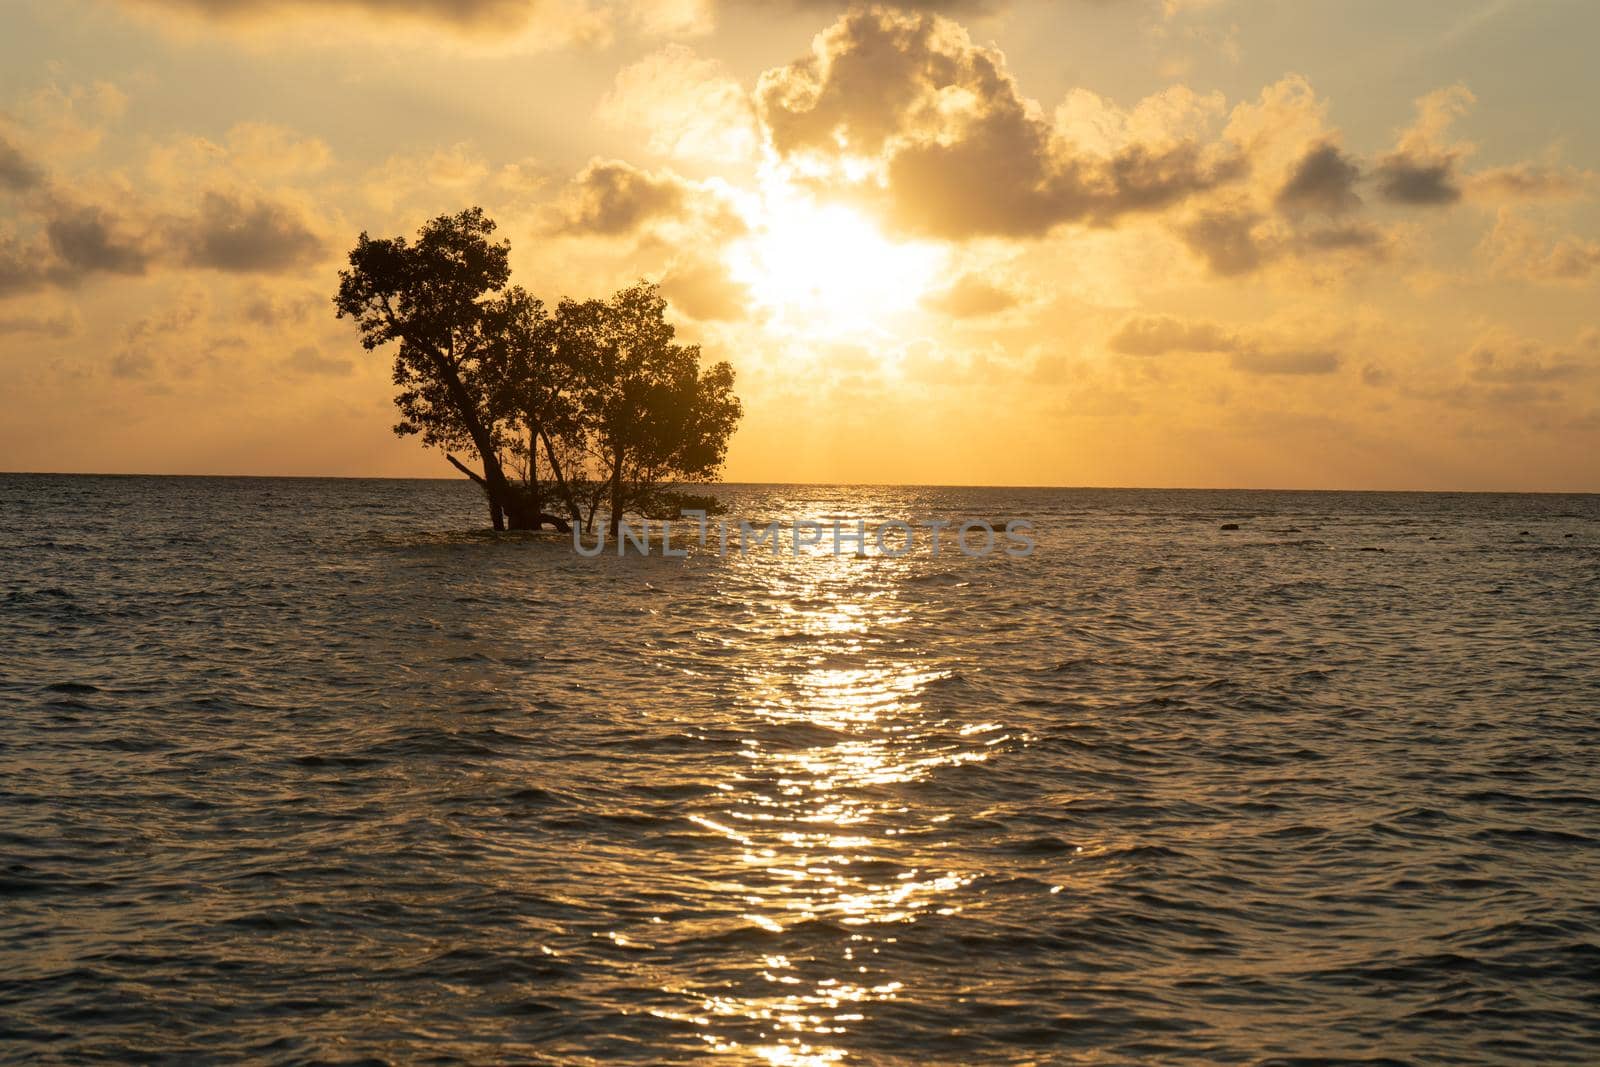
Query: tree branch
[{"x": 464, "y": 469}]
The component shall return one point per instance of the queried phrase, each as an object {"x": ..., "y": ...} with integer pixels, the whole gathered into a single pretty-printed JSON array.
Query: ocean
[{"x": 319, "y": 771}]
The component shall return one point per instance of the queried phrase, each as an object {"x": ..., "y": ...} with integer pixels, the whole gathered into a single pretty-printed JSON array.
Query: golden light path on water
[{"x": 825, "y": 841}]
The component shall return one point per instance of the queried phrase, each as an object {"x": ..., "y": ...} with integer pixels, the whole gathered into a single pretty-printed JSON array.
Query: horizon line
[{"x": 833, "y": 485}]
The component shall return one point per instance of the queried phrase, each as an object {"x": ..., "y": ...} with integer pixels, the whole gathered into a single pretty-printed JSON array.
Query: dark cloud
[
  {"x": 86, "y": 241},
  {"x": 133, "y": 365},
  {"x": 467, "y": 14},
  {"x": 272, "y": 311},
  {"x": 1323, "y": 181},
  {"x": 246, "y": 237},
  {"x": 611, "y": 198},
  {"x": 20, "y": 267},
  {"x": 971, "y": 297},
  {"x": 79, "y": 241},
  {"x": 1226, "y": 240},
  {"x": 17, "y": 173},
  {"x": 1526, "y": 364},
  {"x": 964, "y": 153},
  {"x": 1355, "y": 238},
  {"x": 1422, "y": 181},
  {"x": 1311, "y": 361}
]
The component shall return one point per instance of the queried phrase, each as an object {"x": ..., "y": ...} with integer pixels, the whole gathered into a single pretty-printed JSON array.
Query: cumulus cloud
[
  {"x": 1407, "y": 181},
  {"x": 954, "y": 147},
  {"x": 1324, "y": 180},
  {"x": 610, "y": 198},
  {"x": 1421, "y": 171},
  {"x": 246, "y": 235},
  {"x": 17, "y": 172},
  {"x": 89, "y": 240},
  {"x": 1227, "y": 239},
  {"x": 76, "y": 241}
]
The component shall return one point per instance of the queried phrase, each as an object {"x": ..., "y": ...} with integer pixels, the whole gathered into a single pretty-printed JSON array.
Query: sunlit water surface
[{"x": 313, "y": 771}]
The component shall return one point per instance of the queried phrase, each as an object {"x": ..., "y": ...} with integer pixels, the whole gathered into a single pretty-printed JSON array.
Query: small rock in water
[{"x": 1230, "y": 526}]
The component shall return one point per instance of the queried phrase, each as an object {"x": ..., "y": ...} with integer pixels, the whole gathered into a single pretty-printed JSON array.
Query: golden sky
[{"x": 1257, "y": 243}]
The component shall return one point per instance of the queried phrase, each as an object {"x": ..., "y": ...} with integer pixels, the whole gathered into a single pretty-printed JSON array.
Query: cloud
[
  {"x": 1159, "y": 335},
  {"x": 246, "y": 236},
  {"x": 496, "y": 24},
  {"x": 1323, "y": 181},
  {"x": 271, "y": 311},
  {"x": 61, "y": 325},
  {"x": 88, "y": 240},
  {"x": 1407, "y": 181},
  {"x": 955, "y": 150},
  {"x": 1531, "y": 181},
  {"x": 971, "y": 296},
  {"x": 1310, "y": 361},
  {"x": 309, "y": 360},
  {"x": 1226, "y": 239},
  {"x": 684, "y": 105},
  {"x": 703, "y": 290},
  {"x": 58, "y": 123},
  {"x": 1346, "y": 237},
  {"x": 475, "y": 15},
  {"x": 611, "y": 198},
  {"x": 1516, "y": 248},
  {"x": 17, "y": 173},
  {"x": 1421, "y": 171},
  {"x": 1521, "y": 362},
  {"x": 77, "y": 241}
]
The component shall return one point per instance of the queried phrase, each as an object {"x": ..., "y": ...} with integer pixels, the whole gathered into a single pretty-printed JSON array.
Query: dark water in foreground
[{"x": 301, "y": 771}]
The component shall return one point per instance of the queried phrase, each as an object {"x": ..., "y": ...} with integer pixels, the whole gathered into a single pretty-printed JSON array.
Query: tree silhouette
[
  {"x": 650, "y": 416},
  {"x": 434, "y": 300},
  {"x": 596, "y": 404}
]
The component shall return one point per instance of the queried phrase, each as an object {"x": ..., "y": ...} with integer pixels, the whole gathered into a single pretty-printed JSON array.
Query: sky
[{"x": 1333, "y": 244}]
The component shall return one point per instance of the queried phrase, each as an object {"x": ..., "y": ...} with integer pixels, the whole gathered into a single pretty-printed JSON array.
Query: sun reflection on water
[{"x": 833, "y": 842}]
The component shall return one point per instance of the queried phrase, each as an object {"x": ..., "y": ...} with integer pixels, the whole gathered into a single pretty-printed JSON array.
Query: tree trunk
[
  {"x": 616, "y": 494},
  {"x": 501, "y": 497},
  {"x": 561, "y": 479},
  {"x": 535, "y": 490},
  {"x": 495, "y": 510}
]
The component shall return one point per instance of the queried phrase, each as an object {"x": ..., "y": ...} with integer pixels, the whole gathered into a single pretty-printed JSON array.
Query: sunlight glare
[{"x": 827, "y": 267}]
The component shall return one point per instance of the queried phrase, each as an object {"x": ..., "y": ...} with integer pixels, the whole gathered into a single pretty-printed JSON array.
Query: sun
[{"x": 827, "y": 267}]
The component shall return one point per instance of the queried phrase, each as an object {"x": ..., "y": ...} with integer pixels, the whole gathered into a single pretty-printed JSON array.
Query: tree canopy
[{"x": 594, "y": 405}]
